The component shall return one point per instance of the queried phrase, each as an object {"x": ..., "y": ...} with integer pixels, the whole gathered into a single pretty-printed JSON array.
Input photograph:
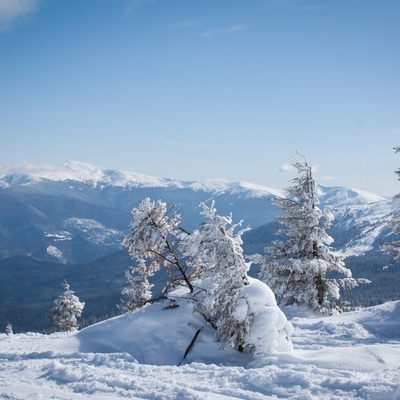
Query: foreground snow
[{"x": 349, "y": 356}]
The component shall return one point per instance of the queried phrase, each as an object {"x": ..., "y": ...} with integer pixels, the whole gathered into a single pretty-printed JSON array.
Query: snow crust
[
  {"x": 355, "y": 355},
  {"x": 94, "y": 231},
  {"x": 53, "y": 251}
]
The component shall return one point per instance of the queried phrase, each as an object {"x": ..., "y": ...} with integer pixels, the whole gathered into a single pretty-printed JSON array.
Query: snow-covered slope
[
  {"x": 337, "y": 196},
  {"x": 364, "y": 226},
  {"x": 347, "y": 356}
]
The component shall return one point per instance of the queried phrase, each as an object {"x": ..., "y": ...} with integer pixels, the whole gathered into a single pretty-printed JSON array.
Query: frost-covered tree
[
  {"x": 296, "y": 268},
  {"x": 9, "y": 330},
  {"x": 216, "y": 249},
  {"x": 226, "y": 297},
  {"x": 394, "y": 224},
  {"x": 138, "y": 291},
  {"x": 154, "y": 229},
  {"x": 68, "y": 308}
]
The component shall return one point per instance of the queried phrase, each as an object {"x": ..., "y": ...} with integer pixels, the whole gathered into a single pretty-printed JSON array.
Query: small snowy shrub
[
  {"x": 138, "y": 291},
  {"x": 9, "y": 331}
]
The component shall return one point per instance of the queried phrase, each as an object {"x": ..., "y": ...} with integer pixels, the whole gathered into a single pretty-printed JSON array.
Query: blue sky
[{"x": 197, "y": 89}]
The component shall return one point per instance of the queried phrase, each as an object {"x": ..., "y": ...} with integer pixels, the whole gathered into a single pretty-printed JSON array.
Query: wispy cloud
[
  {"x": 133, "y": 5},
  {"x": 11, "y": 11},
  {"x": 26, "y": 168},
  {"x": 184, "y": 25},
  {"x": 328, "y": 178},
  {"x": 224, "y": 31},
  {"x": 305, "y": 5}
]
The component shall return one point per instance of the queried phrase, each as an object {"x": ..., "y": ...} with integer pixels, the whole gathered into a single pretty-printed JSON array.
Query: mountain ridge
[
  {"x": 101, "y": 177},
  {"x": 65, "y": 213},
  {"x": 96, "y": 176}
]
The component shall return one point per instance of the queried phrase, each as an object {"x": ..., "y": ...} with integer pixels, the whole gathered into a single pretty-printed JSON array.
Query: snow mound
[
  {"x": 270, "y": 331},
  {"x": 159, "y": 334}
]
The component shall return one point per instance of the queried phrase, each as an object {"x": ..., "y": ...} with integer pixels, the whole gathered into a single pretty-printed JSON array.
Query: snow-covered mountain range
[
  {"x": 76, "y": 212},
  {"x": 98, "y": 177},
  {"x": 68, "y": 221}
]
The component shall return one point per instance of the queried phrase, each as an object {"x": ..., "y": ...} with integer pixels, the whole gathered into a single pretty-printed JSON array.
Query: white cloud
[
  {"x": 25, "y": 168},
  {"x": 224, "y": 31},
  {"x": 287, "y": 168},
  {"x": 13, "y": 10},
  {"x": 328, "y": 178}
]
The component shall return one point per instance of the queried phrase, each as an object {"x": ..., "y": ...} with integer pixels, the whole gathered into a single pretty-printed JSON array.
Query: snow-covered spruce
[
  {"x": 243, "y": 310},
  {"x": 68, "y": 308},
  {"x": 296, "y": 268}
]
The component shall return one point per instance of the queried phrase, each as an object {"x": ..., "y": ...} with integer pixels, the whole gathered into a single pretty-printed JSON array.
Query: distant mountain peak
[
  {"x": 79, "y": 172},
  {"x": 341, "y": 196}
]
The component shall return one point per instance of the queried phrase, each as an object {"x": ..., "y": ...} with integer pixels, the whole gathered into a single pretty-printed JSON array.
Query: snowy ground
[{"x": 349, "y": 356}]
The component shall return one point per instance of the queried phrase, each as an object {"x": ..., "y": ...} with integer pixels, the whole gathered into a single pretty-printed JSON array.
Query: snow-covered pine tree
[
  {"x": 151, "y": 239},
  {"x": 243, "y": 312},
  {"x": 138, "y": 291},
  {"x": 68, "y": 308},
  {"x": 9, "y": 330},
  {"x": 216, "y": 249},
  {"x": 394, "y": 224},
  {"x": 296, "y": 268}
]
